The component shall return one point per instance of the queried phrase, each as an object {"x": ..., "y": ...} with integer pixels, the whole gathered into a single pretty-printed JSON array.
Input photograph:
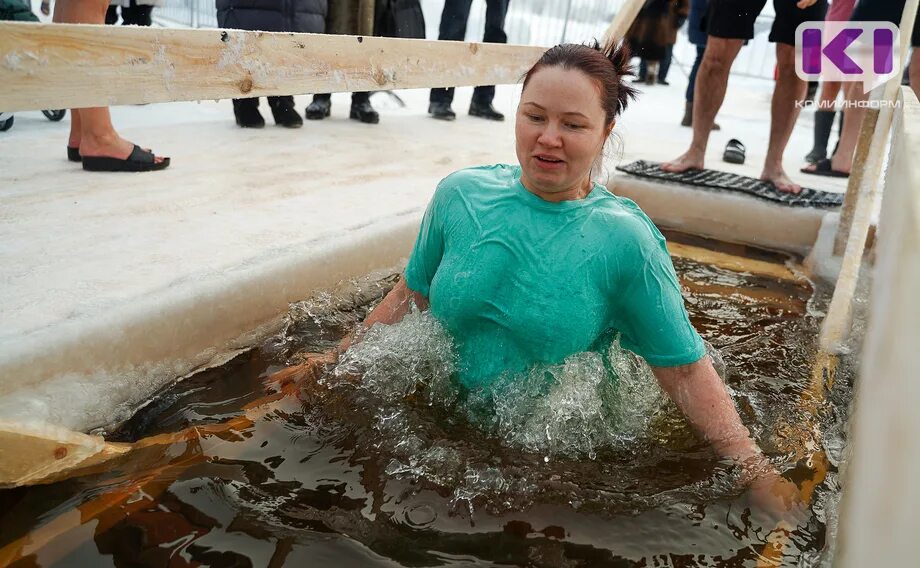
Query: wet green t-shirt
[{"x": 518, "y": 281}]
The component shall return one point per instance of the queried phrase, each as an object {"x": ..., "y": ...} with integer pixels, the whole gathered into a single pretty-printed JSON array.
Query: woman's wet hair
[{"x": 608, "y": 66}]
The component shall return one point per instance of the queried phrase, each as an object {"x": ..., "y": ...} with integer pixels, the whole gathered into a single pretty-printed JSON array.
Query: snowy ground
[{"x": 79, "y": 248}]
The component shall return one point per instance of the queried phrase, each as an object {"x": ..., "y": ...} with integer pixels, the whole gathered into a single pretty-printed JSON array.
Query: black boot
[
  {"x": 284, "y": 113},
  {"x": 247, "y": 113},
  {"x": 485, "y": 110},
  {"x": 320, "y": 107},
  {"x": 362, "y": 110},
  {"x": 824, "y": 123},
  {"x": 687, "y": 120},
  {"x": 441, "y": 111}
]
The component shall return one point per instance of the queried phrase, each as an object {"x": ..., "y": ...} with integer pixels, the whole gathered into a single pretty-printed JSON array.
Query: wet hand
[
  {"x": 305, "y": 374},
  {"x": 778, "y": 498}
]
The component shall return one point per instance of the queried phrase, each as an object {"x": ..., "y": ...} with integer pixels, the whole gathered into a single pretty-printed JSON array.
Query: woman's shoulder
[
  {"x": 629, "y": 219},
  {"x": 481, "y": 176}
]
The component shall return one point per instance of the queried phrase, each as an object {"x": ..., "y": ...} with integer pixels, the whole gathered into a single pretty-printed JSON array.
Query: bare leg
[
  {"x": 91, "y": 128},
  {"x": 783, "y": 114},
  {"x": 711, "y": 83},
  {"x": 915, "y": 71},
  {"x": 828, "y": 96},
  {"x": 842, "y": 160}
]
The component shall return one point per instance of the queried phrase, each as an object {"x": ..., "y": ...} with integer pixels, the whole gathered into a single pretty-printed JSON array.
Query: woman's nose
[{"x": 550, "y": 137}]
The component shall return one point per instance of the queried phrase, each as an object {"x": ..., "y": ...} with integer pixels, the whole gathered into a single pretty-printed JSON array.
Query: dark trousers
[
  {"x": 356, "y": 98},
  {"x": 253, "y": 102},
  {"x": 133, "y": 15},
  {"x": 691, "y": 84},
  {"x": 453, "y": 27},
  {"x": 663, "y": 65}
]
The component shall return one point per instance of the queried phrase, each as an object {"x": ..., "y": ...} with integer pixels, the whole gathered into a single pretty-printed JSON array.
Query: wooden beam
[
  {"x": 623, "y": 20},
  {"x": 869, "y": 132},
  {"x": 75, "y": 66}
]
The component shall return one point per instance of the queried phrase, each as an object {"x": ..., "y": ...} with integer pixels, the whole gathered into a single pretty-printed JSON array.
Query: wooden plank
[
  {"x": 868, "y": 132},
  {"x": 736, "y": 263},
  {"x": 623, "y": 20},
  {"x": 74, "y": 66}
]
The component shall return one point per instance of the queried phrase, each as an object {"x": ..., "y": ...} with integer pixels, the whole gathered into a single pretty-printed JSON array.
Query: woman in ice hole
[{"x": 528, "y": 264}]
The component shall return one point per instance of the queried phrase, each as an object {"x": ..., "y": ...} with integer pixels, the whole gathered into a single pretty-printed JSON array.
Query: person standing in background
[
  {"x": 840, "y": 11},
  {"x": 133, "y": 12},
  {"x": 453, "y": 27},
  {"x": 697, "y": 37},
  {"x": 677, "y": 15},
  {"x": 306, "y": 16},
  {"x": 93, "y": 139},
  {"x": 347, "y": 17}
]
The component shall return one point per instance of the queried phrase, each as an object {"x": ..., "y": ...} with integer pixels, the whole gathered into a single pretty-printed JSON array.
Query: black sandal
[
  {"x": 824, "y": 168},
  {"x": 734, "y": 152},
  {"x": 73, "y": 154},
  {"x": 140, "y": 160}
]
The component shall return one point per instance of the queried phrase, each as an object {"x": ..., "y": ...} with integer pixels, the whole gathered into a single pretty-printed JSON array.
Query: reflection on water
[{"x": 581, "y": 464}]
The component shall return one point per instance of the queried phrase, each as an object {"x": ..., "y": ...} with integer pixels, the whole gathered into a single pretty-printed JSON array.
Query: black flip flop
[
  {"x": 823, "y": 168},
  {"x": 734, "y": 152},
  {"x": 140, "y": 160},
  {"x": 73, "y": 154}
]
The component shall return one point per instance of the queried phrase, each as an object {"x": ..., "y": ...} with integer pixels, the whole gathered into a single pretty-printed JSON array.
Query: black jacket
[{"x": 305, "y": 16}]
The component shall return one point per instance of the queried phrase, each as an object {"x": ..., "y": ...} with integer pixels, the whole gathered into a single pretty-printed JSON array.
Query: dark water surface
[{"x": 406, "y": 470}]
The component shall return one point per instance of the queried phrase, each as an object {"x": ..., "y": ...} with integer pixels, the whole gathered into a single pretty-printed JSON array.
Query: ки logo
[{"x": 847, "y": 51}]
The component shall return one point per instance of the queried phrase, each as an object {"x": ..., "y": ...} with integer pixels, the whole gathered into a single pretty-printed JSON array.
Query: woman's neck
[{"x": 578, "y": 191}]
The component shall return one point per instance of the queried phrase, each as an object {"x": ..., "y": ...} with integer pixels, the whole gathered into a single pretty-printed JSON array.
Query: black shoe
[
  {"x": 663, "y": 82},
  {"x": 486, "y": 111},
  {"x": 441, "y": 111},
  {"x": 318, "y": 109},
  {"x": 364, "y": 112},
  {"x": 284, "y": 113},
  {"x": 247, "y": 113}
]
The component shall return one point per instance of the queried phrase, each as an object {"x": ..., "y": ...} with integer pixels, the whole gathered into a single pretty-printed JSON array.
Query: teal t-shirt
[{"x": 517, "y": 280}]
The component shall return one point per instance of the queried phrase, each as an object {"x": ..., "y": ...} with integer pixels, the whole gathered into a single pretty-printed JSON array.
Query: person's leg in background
[
  {"x": 136, "y": 14},
  {"x": 711, "y": 79},
  {"x": 361, "y": 108},
  {"x": 91, "y": 129},
  {"x": 784, "y": 111},
  {"x": 665, "y": 64},
  {"x": 453, "y": 27},
  {"x": 111, "y": 15},
  {"x": 246, "y": 112},
  {"x": 481, "y": 105},
  {"x": 824, "y": 120}
]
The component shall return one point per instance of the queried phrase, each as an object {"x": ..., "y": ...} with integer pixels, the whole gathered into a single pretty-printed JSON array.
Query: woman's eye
[
  {"x": 574, "y": 126},
  {"x": 535, "y": 118}
]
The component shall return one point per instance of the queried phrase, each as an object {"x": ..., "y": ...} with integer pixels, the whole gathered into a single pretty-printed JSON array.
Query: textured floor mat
[{"x": 725, "y": 181}]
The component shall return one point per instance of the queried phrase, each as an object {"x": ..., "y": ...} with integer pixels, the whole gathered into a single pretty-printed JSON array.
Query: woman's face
[{"x": 559, "y": 131}]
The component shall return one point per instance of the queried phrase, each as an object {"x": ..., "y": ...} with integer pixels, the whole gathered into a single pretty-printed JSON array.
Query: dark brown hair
[{"x": 607, "y": 66}]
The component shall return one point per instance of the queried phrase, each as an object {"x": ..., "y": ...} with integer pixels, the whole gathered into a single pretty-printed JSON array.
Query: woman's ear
[{"x": 609, "y": 128}]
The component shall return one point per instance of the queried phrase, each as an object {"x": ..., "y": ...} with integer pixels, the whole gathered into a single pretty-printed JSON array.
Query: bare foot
[
  {"x": 690, "y": 160},
  {"x": 780, "y": 180}
]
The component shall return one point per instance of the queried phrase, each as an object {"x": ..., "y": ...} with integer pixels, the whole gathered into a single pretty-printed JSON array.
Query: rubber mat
[{"x": 725, "y": 181}]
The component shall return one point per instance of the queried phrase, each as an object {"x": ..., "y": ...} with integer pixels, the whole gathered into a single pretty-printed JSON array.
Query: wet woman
[{"x": 527, "y": 264}]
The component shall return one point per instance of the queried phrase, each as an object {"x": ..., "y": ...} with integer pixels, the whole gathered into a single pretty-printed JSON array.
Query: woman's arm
[
  {"x": 390, "y": 310},
  {"x": 700, "y": 394}
]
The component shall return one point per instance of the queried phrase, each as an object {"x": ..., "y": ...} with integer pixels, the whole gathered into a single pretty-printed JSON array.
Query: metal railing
[{"x": 534, "y": 22}]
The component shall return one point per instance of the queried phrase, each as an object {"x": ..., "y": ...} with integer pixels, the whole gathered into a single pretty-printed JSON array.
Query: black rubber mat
[{"x": 725, "y": 181}]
